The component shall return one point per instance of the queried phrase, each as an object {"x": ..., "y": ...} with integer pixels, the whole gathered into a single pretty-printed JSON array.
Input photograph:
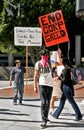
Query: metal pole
[
  {"x": 68, "y": 49},
  {"x": 77, "y": 49},
  {"x": 26, "y": 66}
]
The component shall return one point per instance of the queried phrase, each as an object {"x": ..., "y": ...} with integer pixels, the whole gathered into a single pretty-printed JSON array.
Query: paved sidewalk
[{"x": 27, "y": 116}]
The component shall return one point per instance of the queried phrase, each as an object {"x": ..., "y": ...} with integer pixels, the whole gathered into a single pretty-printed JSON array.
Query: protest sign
[
  {"x": 27, "y": 36},
  {"x": 53, "y": 56},
  {"x": 53, "y": 28}
]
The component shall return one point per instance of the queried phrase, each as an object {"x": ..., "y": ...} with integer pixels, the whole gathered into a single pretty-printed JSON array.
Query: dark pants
[
  {"x": 45, "y": 95},
  {"x": 18, "y": 88},
  {"x": 67, "y": 94}
]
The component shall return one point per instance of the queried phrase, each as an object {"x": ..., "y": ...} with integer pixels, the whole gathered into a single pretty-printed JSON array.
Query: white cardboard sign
[
  {"x": 27, "y": 36},
  {"x": 53, "y": 56}
]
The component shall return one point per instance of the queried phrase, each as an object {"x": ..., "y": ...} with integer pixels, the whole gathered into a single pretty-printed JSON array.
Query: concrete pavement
[{"x": 28, "y": 117}]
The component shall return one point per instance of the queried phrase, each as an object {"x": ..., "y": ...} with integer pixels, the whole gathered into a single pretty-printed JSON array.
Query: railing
[{"x": 5, "y": 73}]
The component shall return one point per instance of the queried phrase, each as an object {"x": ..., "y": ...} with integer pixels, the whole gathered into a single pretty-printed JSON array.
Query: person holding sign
[
  {"x": 67, "y": 91},
  {"x": 17, "y": 73}
]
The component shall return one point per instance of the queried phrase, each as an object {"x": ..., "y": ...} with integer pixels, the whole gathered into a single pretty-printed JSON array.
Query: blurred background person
[{"x": 17, "y": 74}]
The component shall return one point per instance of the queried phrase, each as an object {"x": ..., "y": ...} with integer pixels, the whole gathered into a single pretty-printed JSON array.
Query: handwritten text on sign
[
  {"x": 53, "y": 28},
  {"x": 27, "y": 36}
]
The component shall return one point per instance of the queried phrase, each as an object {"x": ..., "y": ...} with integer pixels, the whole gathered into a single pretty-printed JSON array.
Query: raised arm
[{"x": 59, "y": 53}]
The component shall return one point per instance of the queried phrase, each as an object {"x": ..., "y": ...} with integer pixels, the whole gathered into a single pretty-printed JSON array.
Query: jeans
[
  {"x": 18, "y": 87},
  {"x": 45, "y": 95},
  {"x": 67, "y": 94}
]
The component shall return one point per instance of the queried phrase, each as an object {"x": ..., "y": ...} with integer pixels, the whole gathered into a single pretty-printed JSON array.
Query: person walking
[
  {"x": 43, "y": 78},
  {"x": 57, "y": 68},
  {"x": 67, "y": 91},
  {"x": 56, "y": 89},
  {"x": 17, "y": 73}
]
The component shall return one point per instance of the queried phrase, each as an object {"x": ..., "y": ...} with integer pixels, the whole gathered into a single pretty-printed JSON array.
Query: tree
[
  {"x": 1, "y": 6},
  {"x": 29, "y": 18}
]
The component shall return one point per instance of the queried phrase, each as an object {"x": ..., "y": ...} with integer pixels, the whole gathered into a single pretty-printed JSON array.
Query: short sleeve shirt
[
  {"x": 45, "y": 74},
  {"x": 18, "y": 74}
]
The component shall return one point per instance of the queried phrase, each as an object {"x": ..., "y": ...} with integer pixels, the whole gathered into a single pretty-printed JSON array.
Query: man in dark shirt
[{"x": 17, "y": 73}]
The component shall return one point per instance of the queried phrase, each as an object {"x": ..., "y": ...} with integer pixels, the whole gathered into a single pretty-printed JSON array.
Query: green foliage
[
  {"x": 29, "y": 18},
  {"x": 1, "y": 5}
]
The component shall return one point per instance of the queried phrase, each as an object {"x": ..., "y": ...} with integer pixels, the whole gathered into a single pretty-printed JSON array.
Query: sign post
[
  {"x": 27, "y": 36},
  {"x": 26, "y": 64}
]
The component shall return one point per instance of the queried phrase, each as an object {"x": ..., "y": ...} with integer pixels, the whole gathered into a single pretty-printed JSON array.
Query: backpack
[{"x": 76, "y": 76}]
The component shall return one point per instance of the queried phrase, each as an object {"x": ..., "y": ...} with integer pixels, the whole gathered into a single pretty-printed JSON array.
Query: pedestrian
[
  {"x": 67, "y": 91},
  {"x": 56, "y": 89},
  {"x": 57, "y": 68},
  {"x": 43, "y": 78},
  {"x": 17, "y": 74}
]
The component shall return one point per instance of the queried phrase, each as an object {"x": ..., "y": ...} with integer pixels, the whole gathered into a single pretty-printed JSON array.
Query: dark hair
[
  {"x": 54, "y": 71},
  {"x": 44, "y": 52},
  {"x": 66, "y": 61}
]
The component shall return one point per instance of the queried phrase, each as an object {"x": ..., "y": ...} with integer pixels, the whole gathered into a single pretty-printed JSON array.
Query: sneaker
[
  {"x": 51, "y": 113},
  {"x": 14, "y": 103},
  {"x": 78, "y": 119},
  {"x": 48, "y": 120},
  {"x": 43, "y": 125},
  {"x": 20, "y": 103},
  {"x": 53, "y": 116}
]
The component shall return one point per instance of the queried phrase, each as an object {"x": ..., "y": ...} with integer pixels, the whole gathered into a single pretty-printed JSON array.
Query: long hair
[{"x": 66, "y": 62}]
